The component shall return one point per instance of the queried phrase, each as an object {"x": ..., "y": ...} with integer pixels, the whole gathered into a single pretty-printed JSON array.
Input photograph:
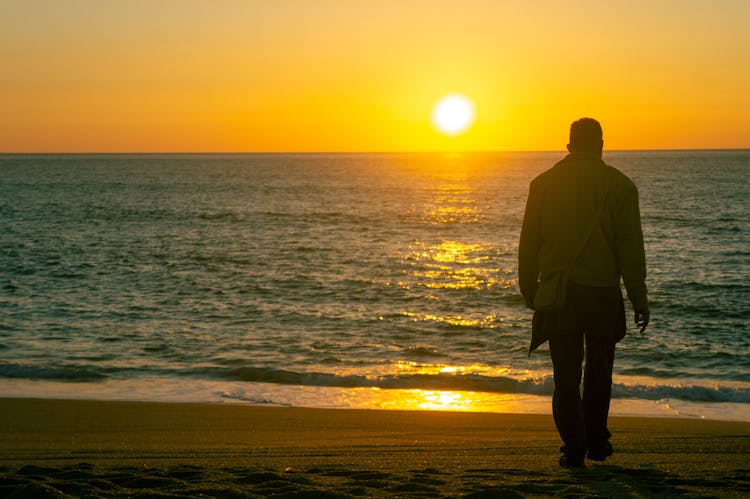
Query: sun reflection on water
[
  {"x": 457, "y": 262},
  {"x": 454, "y": 265},
  {"x": 488, "y": 321},
  {"x": 436, "y": 400},
  {"x": 411, "y": 367},
  {"x": 454, "y": 401},
  {"x": 431, "y": 400},
  {"x": 452, "y": 203},
  {"x": 453, "y": 252}
]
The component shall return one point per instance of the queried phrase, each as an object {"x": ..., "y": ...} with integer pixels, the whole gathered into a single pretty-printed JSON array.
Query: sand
[{"x": 55, "y": 448}]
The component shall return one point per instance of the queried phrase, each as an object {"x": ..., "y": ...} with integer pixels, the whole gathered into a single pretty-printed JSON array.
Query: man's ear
[{"x": 569, "y": 149}]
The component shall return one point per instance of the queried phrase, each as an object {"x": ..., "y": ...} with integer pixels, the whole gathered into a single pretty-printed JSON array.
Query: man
[{"x": 582, "y": 215}]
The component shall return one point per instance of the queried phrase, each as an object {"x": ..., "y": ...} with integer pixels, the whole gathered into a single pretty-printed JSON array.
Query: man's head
[{"x": 586, "y": 136}]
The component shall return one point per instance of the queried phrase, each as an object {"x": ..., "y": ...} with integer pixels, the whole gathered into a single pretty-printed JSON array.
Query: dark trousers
[{"x": 593, "y": 317}]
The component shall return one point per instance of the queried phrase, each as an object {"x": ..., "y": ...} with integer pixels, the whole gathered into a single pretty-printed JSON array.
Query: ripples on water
[{"x": 384, "y": 271}]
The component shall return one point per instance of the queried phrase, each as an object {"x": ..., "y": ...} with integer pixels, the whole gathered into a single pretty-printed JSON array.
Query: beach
[{"x": 50, "y": 448}]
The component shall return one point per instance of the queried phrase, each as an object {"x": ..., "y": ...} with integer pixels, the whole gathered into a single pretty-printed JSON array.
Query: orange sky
[{"x": 360, "y": 75}]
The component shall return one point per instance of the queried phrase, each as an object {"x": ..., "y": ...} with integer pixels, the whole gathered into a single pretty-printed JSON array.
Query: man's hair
[{"x": 585, "y": 135}]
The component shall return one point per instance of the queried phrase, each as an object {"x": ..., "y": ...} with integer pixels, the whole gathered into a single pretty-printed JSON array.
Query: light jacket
[{"x": 561, "y": 203}]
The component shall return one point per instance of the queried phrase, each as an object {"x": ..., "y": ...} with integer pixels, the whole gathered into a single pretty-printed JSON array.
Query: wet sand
[{"x": 53, "y": 448}]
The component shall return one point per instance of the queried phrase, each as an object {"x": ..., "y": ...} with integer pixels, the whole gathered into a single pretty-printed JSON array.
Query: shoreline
[
  {"x": 190, "y": 449},
  {"x": 329, "y": 397}
]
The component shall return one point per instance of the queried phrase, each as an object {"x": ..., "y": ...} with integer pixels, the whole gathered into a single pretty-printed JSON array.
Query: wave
[
  {"x": 690, "y": 393},
  {"x": 703, "y": 287},
  {"x": 474, "y": 382},
  {"x": 543, "y": 385},
  {"x": 63, "y": 373}
]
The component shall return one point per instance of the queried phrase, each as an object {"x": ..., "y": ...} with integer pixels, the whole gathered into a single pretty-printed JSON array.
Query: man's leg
[
  {"x": 566, "y": 350},
  {"x": 597, "y": 390}
]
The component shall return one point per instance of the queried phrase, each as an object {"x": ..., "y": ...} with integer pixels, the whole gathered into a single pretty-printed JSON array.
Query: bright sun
[{"x": 453, "y": 114}]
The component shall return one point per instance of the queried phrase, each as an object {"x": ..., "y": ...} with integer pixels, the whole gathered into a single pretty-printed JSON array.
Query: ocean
[{"x": 349, "y": 280}]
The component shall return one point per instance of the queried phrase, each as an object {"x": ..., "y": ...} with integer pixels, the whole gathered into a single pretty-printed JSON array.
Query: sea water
[{"x": 349, "y": 280}]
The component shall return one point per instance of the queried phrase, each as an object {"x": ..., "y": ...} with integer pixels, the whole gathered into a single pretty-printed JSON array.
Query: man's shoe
[
  {"x": 601, "y": 452},
  {"x": 571, "y": 462}
]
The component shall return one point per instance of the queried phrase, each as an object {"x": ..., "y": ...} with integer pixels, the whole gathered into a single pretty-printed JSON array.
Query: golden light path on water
[
  {"x": 451, "y": 264},
  {"x": 442, "y": 400}
]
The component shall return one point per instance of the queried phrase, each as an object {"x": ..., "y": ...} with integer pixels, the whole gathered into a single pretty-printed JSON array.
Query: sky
[{"x": 364, "y": 75}]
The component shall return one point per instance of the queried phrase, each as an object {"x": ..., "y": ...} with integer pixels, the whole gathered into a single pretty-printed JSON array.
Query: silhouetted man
[{"x": 582, "y": 221}]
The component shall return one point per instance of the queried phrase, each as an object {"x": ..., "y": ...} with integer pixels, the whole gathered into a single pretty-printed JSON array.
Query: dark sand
[{"x": 52, "y": 448}]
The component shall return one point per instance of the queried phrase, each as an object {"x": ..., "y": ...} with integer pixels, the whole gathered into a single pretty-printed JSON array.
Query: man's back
[{"x": 561, "y": 204}]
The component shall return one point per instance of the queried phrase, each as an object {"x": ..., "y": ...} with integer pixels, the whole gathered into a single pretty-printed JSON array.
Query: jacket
[{"x": 559, "y": 207}]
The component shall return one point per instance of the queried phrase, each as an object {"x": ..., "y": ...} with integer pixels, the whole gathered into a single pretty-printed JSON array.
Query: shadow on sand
[{"x": 84, "y": 479}]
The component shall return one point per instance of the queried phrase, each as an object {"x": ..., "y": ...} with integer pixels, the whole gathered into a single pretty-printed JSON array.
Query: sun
[{"x": 453, "y": 114}]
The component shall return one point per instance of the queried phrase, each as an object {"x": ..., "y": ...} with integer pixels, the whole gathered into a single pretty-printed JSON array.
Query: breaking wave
[{"x": 543, "y": 385}]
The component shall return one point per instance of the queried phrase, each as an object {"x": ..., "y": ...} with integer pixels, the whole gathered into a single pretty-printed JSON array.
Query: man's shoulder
[
  {"x": 552, "y": 176},
  {"x": 543, "y": 177},
  {"x": 620, "y": 180}
]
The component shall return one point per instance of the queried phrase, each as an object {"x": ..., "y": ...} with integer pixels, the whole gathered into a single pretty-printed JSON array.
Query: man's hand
[
  {"x": 641, "y": 318},
  {"x": 529, "y": 299}
]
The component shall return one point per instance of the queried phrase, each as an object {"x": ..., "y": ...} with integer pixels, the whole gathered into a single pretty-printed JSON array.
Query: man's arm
[
  {"x": 631, "y": 255},
  {"x": 528, "y": 247}
]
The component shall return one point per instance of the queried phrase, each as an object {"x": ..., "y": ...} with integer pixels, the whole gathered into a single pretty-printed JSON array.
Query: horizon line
[{"x": 487, "y": 151}]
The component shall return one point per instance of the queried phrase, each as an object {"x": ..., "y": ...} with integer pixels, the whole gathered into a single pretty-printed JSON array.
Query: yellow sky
[{"x": 362, "y": 75}]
